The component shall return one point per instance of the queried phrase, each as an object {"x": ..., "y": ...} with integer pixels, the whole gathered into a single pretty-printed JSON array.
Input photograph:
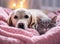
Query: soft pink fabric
[
  {"x": 57, "y": 12},
  {"x": 7, "y": 10},
  {"x": 12, "y": 35},
  {"x": 15, "y": 35},
  {"x": 58, "y": 20}
]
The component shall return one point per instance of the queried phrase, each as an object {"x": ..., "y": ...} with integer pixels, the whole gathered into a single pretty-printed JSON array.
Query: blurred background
[{"x": 34, "y": 4}]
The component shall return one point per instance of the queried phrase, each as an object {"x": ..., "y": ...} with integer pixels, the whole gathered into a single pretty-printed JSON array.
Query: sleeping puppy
[{"x": 29, "y": 18}]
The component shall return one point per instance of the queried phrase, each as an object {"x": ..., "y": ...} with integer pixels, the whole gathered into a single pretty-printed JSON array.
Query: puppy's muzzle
[{"x": 21, "y": 25}]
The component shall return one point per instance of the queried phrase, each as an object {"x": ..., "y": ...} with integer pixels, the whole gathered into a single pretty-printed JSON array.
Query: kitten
[{"x": 43, "y": 26}]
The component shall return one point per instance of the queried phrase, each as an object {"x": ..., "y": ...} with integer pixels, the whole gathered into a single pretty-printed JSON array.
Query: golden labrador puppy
[{"x": 20, "y": 18}]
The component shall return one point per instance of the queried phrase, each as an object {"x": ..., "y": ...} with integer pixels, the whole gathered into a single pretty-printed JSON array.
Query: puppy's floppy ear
[
  {"x": 9, "y": 21},
  {"x": 32, "y": 22}
]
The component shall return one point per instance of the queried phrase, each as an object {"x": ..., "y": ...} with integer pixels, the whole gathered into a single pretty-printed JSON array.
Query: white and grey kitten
[{"x": 44, "y": 26}]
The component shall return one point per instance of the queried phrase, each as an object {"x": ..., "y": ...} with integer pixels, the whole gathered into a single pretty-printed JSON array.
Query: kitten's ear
[{"x": 54, "y": 19}]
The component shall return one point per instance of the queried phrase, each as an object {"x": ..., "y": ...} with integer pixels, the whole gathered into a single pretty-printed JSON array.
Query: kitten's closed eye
[{"x": 51, "y": 25}]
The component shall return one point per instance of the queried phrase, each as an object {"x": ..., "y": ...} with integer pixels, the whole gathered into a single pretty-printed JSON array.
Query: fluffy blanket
[{"x": 12, "y": 35}]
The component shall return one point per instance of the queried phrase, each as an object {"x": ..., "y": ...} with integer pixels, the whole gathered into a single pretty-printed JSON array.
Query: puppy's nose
[{"x": 21, "y": 25}]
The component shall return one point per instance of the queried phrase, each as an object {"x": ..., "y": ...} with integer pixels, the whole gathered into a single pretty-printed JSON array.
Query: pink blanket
[{"x": 12, "y": 35}]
